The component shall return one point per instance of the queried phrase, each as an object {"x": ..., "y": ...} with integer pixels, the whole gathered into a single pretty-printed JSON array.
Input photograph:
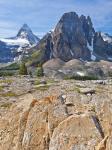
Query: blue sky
[{"x": 42, "y": 15}]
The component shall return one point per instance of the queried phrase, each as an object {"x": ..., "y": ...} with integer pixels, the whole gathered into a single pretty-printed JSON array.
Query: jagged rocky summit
[{"x": 74, "y": 37}]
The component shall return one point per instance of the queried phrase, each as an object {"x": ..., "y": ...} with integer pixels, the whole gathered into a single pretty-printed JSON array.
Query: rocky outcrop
[
  {"x": 32, "y": 128},
  {"x": 87, "y": 91},
  {"x": 75, "y": 132},
  {"x": 58, "y": 68},
  {"x": 50, "y": 114},
  {"x": 47, "y": 124}
]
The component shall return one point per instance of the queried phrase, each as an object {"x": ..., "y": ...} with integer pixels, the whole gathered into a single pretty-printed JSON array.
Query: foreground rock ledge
[{"x": 46, "y": 125}]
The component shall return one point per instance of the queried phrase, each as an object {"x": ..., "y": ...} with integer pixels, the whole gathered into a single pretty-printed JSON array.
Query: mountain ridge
[{"x": 74, "y": 37}]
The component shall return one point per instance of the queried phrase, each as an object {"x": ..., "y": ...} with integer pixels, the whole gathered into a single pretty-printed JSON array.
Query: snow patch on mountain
[
  {"x": 80, "y": 73},
  {"x": 110, "y": 58},
  {"x": 106, "y": 37},
  {"x": 71, "y": 52},
  {"x": 93, "y": 57},
  {"x": 16, "y": 41},
  {"x": 90, "y": 47}
]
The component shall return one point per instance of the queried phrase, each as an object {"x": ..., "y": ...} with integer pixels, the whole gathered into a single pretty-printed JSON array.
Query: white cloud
[{"x": 42, "y": 15}]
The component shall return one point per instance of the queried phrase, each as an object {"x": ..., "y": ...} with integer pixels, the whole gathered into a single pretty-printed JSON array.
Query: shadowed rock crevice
[
  {"x": 98, "y": 125},
  {"x": 103, "y": 144},
  {"x": 22, "y": 125}
]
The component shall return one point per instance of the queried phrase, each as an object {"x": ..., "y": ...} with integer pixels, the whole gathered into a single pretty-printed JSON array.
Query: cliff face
[
  {"x": 74, "y": 37},
  {"x": 103, "y": 45},
  {"x": 70, "y": 37}
]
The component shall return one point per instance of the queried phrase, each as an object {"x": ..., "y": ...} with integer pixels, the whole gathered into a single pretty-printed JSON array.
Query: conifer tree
[{"x": 23, "y": 69}]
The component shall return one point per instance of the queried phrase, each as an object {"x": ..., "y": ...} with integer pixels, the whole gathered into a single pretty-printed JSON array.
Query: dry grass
[{"x": 6, "y": 81}]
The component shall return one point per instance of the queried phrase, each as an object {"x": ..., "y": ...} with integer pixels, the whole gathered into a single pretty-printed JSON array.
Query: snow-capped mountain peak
[
  {"x": 16, "y": 46},
  {"x": 26, "y": 27},
  {"x": 26, "y": 33},
  {"x": 24, "y": 37}
]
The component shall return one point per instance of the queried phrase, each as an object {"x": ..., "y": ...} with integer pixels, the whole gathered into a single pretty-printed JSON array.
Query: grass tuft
[
  {"x": 8, "y": 94},
  {"x": 6, "y": 105}
]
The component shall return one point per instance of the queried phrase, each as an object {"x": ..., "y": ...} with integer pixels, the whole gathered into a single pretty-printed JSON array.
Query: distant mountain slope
[
  {"x": 12, "y": 49},
  {"x": 103, "y": 46}
]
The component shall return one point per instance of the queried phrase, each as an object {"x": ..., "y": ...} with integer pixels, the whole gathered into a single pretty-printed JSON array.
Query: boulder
[
  {"x": 87, "y": 91},
  {"x": 75, "y": 132}
]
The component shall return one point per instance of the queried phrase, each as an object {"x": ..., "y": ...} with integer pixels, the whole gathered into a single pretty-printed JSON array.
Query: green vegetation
[
  {"x": 9, "y": 70},
  {"x": 77, "y": 89},
  {"x": 39, "y": 71},
  {"x": 43, "y": 87},
  {"x": 8, "y": 94},
  {"x": 1, "y": 88},
  {"x": 35, "y": 58},
  {"x": 13, "y": 66},
  {"x": 37, "y": 82},
  {"x": 50, "y": 81},
  {"x": 23, "y": 69},
  {"x": 35, "y": 55},
  {"x": 93, "y": 108},
  {"x": 110, "y": 73},
  {"x": 82, "y": 78},
  {"x": 6, "y": 105},
  {"x": 6, "y": 81},
  {"x": 6, "y": 73}
]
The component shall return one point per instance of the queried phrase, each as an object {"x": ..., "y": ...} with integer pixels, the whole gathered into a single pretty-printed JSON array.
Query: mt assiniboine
[
  {"x": 74, "y": 37},
  {"x": 12, "y": 49}
]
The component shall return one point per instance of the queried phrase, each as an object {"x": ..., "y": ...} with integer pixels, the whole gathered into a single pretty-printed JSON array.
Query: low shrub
[
  {"x": 82, "y": 78},
  {"x": 8, "y": 94},
  {"x": 39, "y": 72},
  {"x": 13, "y": 66},
  {"x": 6, "y": 105},
  {"x": 6, "y": 73},
  {"x": 43, "y": 88},
  {"x": 23, "y": 69},
  {"x": 9, "y": 81}
]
